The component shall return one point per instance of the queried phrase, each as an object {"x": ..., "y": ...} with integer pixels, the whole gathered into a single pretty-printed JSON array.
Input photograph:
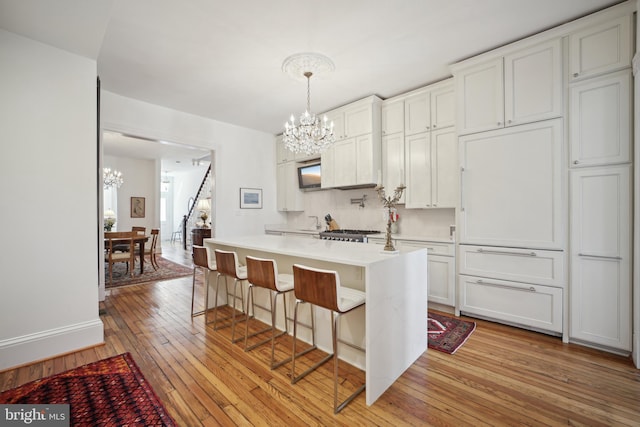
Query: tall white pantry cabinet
[{"x": 544, "y": 134}]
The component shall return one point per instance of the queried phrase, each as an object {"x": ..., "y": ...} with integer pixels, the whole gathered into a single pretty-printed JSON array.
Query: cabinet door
[
  {"x": 337, "y": 117},
  {"x": 533, "y": 84},
  {"x": 511, "y": 187},
  {"x": 282, "y": 154},
  {"x": 601, "y": 256},
  {"x": 600, "y": 131},
  {"x": 521, "y": 304},
  {"x": 480, "y": 98},
  {"x": 367, "y": 160},
  {"x": 441, "y": 284},
  {"x": 601, "y": 48},
  {"x": 418, "y": 161},
  {"x": 344, "y": 162},
  {"x": 445, "y": 188},
  {"x": 417, "y": 110},
  {"x": 392, "y": 117},
  {"x": 289, "y": 196},
  {"x": 358, "y": 120},
  {"x": 443, "y": 106},
  {"x": 327, "y": 178},
  {"x": 393, "y": 163}
]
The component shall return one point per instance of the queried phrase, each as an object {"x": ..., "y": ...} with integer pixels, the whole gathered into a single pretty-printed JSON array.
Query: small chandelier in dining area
[
  {"x": 312, "y": 134},
  {"x": 111, "y": 178}
]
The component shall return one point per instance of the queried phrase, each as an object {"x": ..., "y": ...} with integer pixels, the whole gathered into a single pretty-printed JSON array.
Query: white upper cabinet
[
  {"x": 289, "y": 195},
  {"x": 443, "y": 105},
  {"x": 600, "y": 125},
  {"x": 358, "y": 119},
  {"x": 432, "y": 169},
  {"x": 601, "y": 48},
  {"x": 417, "y": 117},
  {"x": 354, "y": 159},
  {"x": 430, "y": 108},
  {"x": 533, "y": 84},
  {"x": 520, "y": 87},
  {"x": 392, "y": 117},
  {"x": 393, "y": 163},
  {"x": 480, "y": 97}
]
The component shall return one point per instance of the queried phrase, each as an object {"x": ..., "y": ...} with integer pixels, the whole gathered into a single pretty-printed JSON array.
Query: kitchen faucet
[{"x": 317, "y": 221}]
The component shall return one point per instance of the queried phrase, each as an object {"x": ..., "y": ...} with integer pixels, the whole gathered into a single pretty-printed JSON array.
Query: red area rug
[
  {"x": 447, "y": 334},
  {"x": 168, "y": 270},
  {"x": 109, "y": 392}
]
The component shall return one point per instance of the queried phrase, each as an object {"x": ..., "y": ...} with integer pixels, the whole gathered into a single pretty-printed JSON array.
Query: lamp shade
[
  {"x": 109, "y": 213},
  {"x": 204, "y": 205}
]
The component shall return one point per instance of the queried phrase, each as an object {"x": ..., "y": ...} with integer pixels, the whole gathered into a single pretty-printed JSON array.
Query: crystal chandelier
[
  {"x": 311, "y": 135},
  {"x": 111, "y": 178}
]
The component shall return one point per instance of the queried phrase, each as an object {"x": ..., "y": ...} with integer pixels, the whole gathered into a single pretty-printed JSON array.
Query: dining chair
[
  {"x": 125, "y": 248},
  {"x": 151, "y": 251},
  {"x": 111, "y": 256}
]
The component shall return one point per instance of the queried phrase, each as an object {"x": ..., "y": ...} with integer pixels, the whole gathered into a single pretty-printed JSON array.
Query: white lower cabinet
[
  {"x": 601, "y": 297},
  {"x": 522, "y": 304},
  {"x": 522, "y": 287},
  {"x": 441, "y": 270}
]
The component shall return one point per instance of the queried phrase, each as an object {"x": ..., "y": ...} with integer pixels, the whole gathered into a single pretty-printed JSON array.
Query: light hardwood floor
[{"x": 501, "y": 376}]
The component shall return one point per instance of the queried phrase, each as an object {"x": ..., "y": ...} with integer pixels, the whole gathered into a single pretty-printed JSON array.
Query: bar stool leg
[
  {"x": 215, "y": 308},
  {"x": 237, "y": 282},
  {"x": 334, "y": 335},
  {"x": 295, "y": 379}
]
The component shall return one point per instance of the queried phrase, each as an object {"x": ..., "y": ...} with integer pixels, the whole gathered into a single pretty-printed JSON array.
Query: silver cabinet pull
[
  {"x": 491, "y": 251},
  {"x": 575, "y": 162},
  {"x": 499, "y": 123},
  {"x": 575, "y": 74},
  {"x": 500, "y": 285},
  {"x": 614, "y": 258}
]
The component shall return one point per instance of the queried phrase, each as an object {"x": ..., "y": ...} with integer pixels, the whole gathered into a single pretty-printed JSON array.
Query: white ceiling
[{"x": 222, "y": 59}]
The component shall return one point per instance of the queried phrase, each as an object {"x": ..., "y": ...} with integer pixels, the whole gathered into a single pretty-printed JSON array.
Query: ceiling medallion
[{"x": 311, "y": 135}]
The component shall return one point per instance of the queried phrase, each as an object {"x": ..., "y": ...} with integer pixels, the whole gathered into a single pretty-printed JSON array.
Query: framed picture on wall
[
  {"x": 251, "y": 198},
  {"x": 137, "y": 207}
]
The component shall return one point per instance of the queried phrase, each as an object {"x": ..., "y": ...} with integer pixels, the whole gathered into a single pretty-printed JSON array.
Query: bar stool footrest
[{"x": 312, "y": 368}]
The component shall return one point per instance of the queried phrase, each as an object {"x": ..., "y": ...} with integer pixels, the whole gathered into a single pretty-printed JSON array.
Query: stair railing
[{"x": 186, "y": 217}]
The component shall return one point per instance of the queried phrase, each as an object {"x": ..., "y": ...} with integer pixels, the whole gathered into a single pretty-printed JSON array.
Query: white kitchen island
[{"x": 392, "y": 326}]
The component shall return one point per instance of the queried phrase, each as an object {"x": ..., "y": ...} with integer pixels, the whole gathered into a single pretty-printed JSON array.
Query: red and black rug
[
  {"x": 109, "y": 392},
  {"x": 447, "y": 334}
]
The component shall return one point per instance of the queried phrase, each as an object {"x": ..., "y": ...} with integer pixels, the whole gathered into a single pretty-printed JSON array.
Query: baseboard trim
[{"x": 29, "y": 348}]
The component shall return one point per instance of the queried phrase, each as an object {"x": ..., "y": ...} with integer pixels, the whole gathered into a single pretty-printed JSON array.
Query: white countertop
[{"x": 350, "y": 253}]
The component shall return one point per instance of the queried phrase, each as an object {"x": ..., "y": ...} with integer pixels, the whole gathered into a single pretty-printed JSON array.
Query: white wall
[
  {"x": 243, "y": 157},
  {"x": 140, "y": 180},
  {"x": 49, "y": 186}
]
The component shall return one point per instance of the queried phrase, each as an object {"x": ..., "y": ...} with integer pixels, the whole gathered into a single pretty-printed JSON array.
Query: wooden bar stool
[
  {"x": 228, "y": 266},
  {"x": 201, "y": 260},
  {"x": 263, "y": 273},
  {"x": 322, "y": 288}
]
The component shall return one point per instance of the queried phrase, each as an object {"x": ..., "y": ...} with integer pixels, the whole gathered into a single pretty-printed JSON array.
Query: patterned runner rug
[
  {"x": 168, "y": 270},
  {"x": 109, "y": 392},
  {"x": 447, "y": 334}
]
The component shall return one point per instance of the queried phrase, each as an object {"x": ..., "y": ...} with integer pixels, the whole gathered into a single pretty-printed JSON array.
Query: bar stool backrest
[
  {"x": 227, "y": 262},
  {"x": 200, "y": 256},
  {"x": 262, "y": 272},
  {"x": 316, "y": 286}
]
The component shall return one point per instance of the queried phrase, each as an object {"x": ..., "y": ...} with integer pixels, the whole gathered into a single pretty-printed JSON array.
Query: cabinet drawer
[
  {"x": 435, "y": 248},
  {"x": 518, "y": 265},
  {"x": 533, "y": 306}
]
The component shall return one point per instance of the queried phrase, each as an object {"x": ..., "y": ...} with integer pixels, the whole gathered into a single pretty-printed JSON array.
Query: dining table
[{"x": 117, "y": 239}]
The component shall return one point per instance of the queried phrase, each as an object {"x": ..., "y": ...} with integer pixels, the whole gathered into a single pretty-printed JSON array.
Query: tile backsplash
[{"x": 338, "y": 203}]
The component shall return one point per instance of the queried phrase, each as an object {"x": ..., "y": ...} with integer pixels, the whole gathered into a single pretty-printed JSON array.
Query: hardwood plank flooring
[{"x": 501, "y": 376}]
